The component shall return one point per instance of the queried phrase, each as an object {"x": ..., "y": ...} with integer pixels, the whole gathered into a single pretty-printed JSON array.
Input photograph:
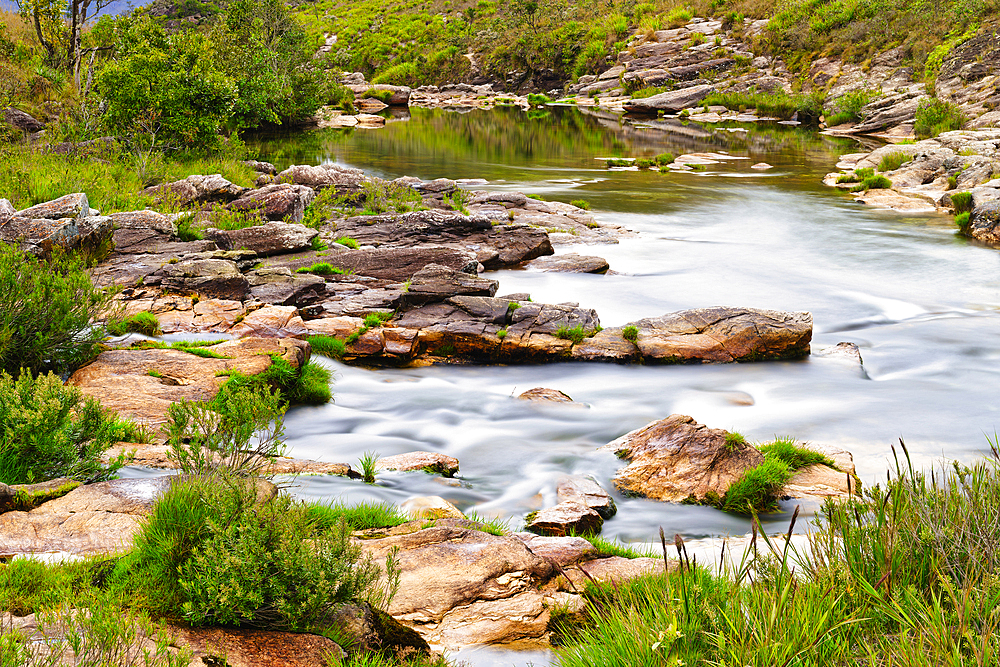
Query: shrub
[
  {"x": 538, "y": 99},
  {"x": 630, "y": 333},
  {"x": 962, "y": 202},
  {"x": 501, "y": 334},
  {"x": 644, "y": 163},
  {"x": 581, "y": 203},
  {"x": 849, "y": 106},
  {"x": 664, "y": 159},
  {"x": 46, "y": 309},
  {"x": 143, "y": 323},
  {"x": 679, "y": 16},
  {"x": 186, "y": 231},
  {"x": 240, "y": 432},
  {"x": 48, "y": 430},
  {"x": 893, "y": 161},
  {"x": 618, "y": 162},
  {"x": 648, "y": 91},
  {"x": 935, "y": 116}
]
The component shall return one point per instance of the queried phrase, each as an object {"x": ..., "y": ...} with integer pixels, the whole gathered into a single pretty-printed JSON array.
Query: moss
[{"x": 29, "y": 497}]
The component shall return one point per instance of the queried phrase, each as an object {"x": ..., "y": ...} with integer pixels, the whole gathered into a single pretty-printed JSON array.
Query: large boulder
[
  {"x": 415, "y": 227},
  {"x": 73, "y": 206},
  {"x": 569, "y": 263},
  {"x": 984, "y": 224},
  {"x": 671, "y": 101},
  {"x": 22, "y": 121},
  {"x": 437, "y": 283},
  {"x": 398, "y": 264},
  {"x": 511, "y": 245},
  {"x": 272, "y": 238},
  {"x": 217, "y": 278},
  {"x": 586, "y": 491},
  {"x": 198, "y": 188},
  {"x": 141, "y": 231},
  {"x": 120, "y": 379},
  {"x": 569, "y": 517},
  {"x": 345, "y": 180},
  {"x": 277, "y": 201},
  {"x": 279, "y": 286},
  {"x": 460, "y": 586},
  {"x": 66, "y": 222},
  {"x": 888, "y": 112},
  {"x": 676, "y": 459}
]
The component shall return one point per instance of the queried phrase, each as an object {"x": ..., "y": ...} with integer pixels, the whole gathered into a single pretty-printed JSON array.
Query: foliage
[
  {"x": 322, "y": 208},
  {"x": 935, "y": 116},
  {"x": 961, "y": 202},
  {"x": 874, "y": 182},
  {"x": 347, "y": 242},
  {"x": 164, "y": 88},
  {"x": 581, "y": 203},
  {"x": 144, "y": 322},
  {"x": 575, "y": 334},
  {"x": 241, "y": 435},
  {"x": 893, "y": 161},
  {"x": 630, "y": 332},
  {"x": 387, "y": 197},
  {"x": 361, "y": 516},
  {"x": 368, "y": 467},
  {"x": 327, "y": 345},
  {"x": 48, "y": 430},
  {"x": 963, "y": 220},
  {"x": 229, "y": 219},
  {"x": 46, "y": 309},
  {"x": 809, "y": 108},
  {"x": 377, "y": 319},
  {"x": 796, "y": 457},
  {"x": 607, "y": 547},
  {"x": 734, "y": 439},
  {"x": 321, "y": 269},
  {"x": 848, "y": 106}
]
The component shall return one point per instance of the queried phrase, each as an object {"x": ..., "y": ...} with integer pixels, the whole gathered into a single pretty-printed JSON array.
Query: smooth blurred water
[{"x": 921, "y": 303}]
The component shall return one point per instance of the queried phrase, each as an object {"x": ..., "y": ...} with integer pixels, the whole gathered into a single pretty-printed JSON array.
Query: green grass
[
  {"x": 144, "y": 323},
  {"x": 377, "y": 319},
  {"x": 186, "y": 231},
  {"x": 647, "y": 91},
  {"x": 368, "y": 470},
  {"x": 779, "y": 104},
  {"x": 796, "y": 457},
  {"x": 576, "y": 334},
  {"x": 581, "y": 203},
  {"x": 877, "y": 182},
  {"x": 962, "y": 202},
  {"x": 222, "y": 218},
  {"x": 893, "y": 161},
  {"x": 935, "y": 116},
  {"x": 617, "y": 162},
  {"x": 322, "y": 269},
  {"x": 630, "y": 333},
  {"x": 607, "y": 547},
  {"x": 327, "y": 345},
  {"x": 962, "y": 220},
  {"x": 734, "y": 439},
  {"x": 199, "y": 348},
  {"x": 493, "y": 526},
  {"x": 361, "y": 516},
  {"x": 347, "y": 242}
]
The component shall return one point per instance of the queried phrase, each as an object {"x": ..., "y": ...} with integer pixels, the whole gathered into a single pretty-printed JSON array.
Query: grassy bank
[{"x": 904, "y": 575}]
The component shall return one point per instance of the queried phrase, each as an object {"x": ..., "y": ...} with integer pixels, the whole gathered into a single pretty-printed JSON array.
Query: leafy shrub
[
  {"x": 46, "y": 308},
  {"x": 538, "y": 99},
  {"x": 240, "y": 432},
  {"x": 386, "y": 197},
  {"x": 630, "y": 332},
  {"x": 893, "y": 161},
  {"x": 961, "y": 202},
  {"x": 48, "y": 430},
  {"x": 581, "y": 203},
  {"x": 186, "y": 231},
  {"x": 935, "y": 116},
  {"x": 144, "y": 323},
  {"x": 643, "y": 162},
  {"x": 849, "y": 106},
  {"x": 679, "y": 16},
  {"x": 963, "y": 220}
]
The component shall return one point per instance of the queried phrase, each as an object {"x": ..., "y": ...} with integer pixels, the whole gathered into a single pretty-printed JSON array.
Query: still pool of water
[{"x": 921, "y": 303}]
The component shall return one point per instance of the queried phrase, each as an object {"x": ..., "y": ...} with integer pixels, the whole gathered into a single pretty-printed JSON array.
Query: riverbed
[{"x": 922, "y": 304}]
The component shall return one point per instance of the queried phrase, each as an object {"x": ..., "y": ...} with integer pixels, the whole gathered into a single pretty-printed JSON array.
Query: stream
[{"x": 922, "y": 304}]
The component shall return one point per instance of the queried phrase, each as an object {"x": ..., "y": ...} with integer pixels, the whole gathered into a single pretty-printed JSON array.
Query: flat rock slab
[
  {"x": 677, "y": 458},
  {"x": 569, "y": 516},
  {"x": 563, "y": 551},
  {"x": 432, "y": 462},
  {"x": 460, "y": 587},
  {"x": 120, "y": 379},
  {"x": 569, "y": 263},
  {"x": 616, "y": 569},
  {"x": 96, "y": 518}
]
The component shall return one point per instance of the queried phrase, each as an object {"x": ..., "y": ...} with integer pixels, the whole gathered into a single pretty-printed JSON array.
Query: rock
[
  {"x": 176, "y": 314},
  {"x": 884, "y": 198},
  {"x": 25, "y": 497},
  {"x": 569, "y": 263},
  {"x": 400, "y": 95},
  {"x": 586, "y": 491},
  {"x": 141, "y": 231},
  {"x": 7, "y": 210},
  {"x": 435, "y": 283},
  {"x": 261, "y": 167},
  {"x": 345, "y": 180},
  {"x": 217, "y": 278},
  {"x": 888, "y": 112},
  {"x": 271, "y": 322},
  {"x": 513, "y": 244},
  {"x": 369, "y": 105},
  {"x": 277, "y": 201},
  {"x": 73, "y": 206},
  {"x": 22, "y": 121},
  {"x": 848, "y": 352},
  {"x": 272, "y": 238},
  {"x": 984, "y": 224},
  {"x": 120, "y": 379},
  {"x": 676, "y": 458},
  {"x": 398, "y": 264},
  {"x": 338, "y": 327},
  {"x": 40, "y": 236},
  {"x": 545, "y": 394},
  {"x": 432, "y": 462},
  {"x": 367, "y": 120},
  {"x": 201, "y": 189},
  {"x": 96, "y": 518},
  {"x": 616, "y": 569},
  {"x": 563, "y": 551},
  {"x": 567, "y": 517},
  {"x": 460, "y": 586},
  {"x": 371, "y": 629},
  {"x": 431, "y": 507},
  {"x": 250, "y": 647},
  {"x": 818, "y": 482},
  {"x": 671, "y": 101},
  {"x": 761, "y": 165},
  {"x": 281, "y": 287},
  {"x": 415, "y": 227}
]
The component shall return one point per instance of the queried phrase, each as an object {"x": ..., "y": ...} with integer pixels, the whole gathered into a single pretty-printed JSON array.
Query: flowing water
[{"x": 921, "y": 303}]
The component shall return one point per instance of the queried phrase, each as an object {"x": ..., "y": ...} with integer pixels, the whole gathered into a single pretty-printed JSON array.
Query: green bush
[
  {"x": 963, "y": 220},
  {"x": 581, "y": 203},
  {"x": 618, "y": 162},
  {"x": 935, "y": 116},
  {"x": 631, "y": 333},
  {"x": 962, "y": 202},
  {"x": 362, "y": 516},
  {"x": 373, "y": 320},
  {"x": 849, "y": 106},
  {"x": 575, "y": 334},
  {"x": 734, "y": 440},
  {"x": 347, "y": 242},
  {"x": 46, "y": 310},
  {"x": 49, "y": 430},
  {"x": 794, "y": 456},
  {"x": 664, "y": 159},
  {"x": 757, "y": 489},
  {"x": 878, "y": 182},
  {"x": 321, "y": 269},
  {"x": 893, "y": 161}
]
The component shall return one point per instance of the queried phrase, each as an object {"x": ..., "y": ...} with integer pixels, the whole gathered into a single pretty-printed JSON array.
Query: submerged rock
[
  {"x": 545, "y": 394},
  {"x": 569, "y": 263},
  {"x": 432, "y": 462}
]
